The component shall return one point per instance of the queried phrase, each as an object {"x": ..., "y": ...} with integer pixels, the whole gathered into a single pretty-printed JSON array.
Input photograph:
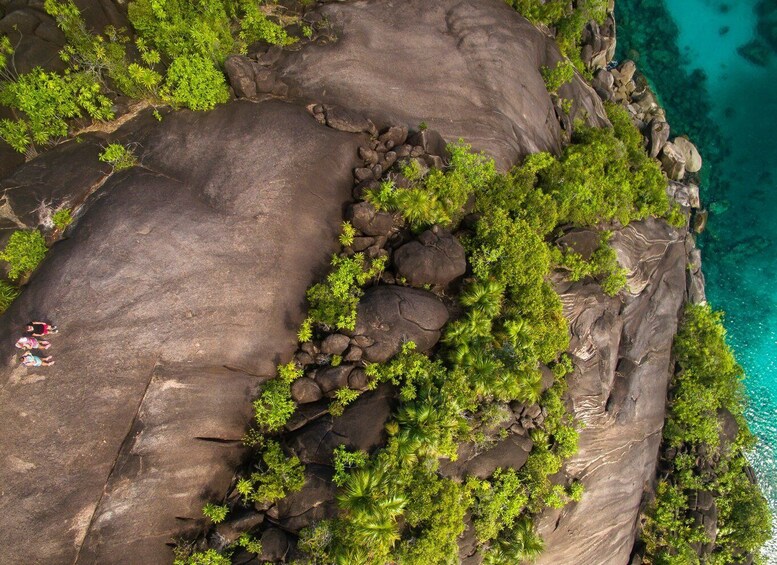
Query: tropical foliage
[
  {"x": 23, "y": 252},
  {"x": 707, "y": 385}
]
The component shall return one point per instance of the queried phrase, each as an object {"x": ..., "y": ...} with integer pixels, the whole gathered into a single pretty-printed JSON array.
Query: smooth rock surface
[
  {"x": 171, "y": 313},
  {"x": 469, "y": 69}
]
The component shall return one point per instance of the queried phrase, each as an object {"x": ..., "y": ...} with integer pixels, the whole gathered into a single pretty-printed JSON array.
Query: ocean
[{"x": 713, "y": 65}]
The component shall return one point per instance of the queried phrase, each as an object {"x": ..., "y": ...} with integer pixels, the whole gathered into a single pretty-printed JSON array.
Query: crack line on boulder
[{"x": 124, "y": 442}]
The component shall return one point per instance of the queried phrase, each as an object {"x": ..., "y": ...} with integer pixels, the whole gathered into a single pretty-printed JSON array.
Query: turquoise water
[{"x": 732, "y": 114}]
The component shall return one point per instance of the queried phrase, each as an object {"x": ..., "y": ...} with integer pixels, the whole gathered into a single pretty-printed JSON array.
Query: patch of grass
[{"x": 62, "y": 218}]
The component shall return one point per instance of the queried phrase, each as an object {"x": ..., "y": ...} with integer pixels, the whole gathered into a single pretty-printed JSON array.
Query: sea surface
[{"x": 725, "y": 100}]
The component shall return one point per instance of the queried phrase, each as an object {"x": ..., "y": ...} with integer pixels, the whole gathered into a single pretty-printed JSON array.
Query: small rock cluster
[
  {"x": 253, "y": 77},
  {"x": 679, "y": 157}
]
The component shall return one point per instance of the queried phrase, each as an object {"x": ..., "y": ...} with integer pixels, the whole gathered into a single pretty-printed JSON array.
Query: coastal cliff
[{"x": 181, "y": 284}]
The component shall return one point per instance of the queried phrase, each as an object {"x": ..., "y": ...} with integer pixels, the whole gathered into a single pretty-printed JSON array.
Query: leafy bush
[
  {"x": 437, "y": 198},
  {"x": 192, "y": 81},
  {"x": 118, "y": 156},
  {"x": 214, "y": 512},
  {"x": 23, "y": 252},
  {"x": 602, "y": 265},
  {"x": 62, "y": 218},
  {"x": 249, "y": 543},
  {"x": 605, "y": 175},
  {"x": 707, "y": 381},
  {"x": 196, "y": 37},
  {"x": 498, "y": 503},
  {"x": 278, "y": 476},
  {"x": 8, "y": 294},
  {"x": 567, "y": 18},
  {"x": 46, "y": 100},
  {"x": 333, "y": 302},
  {"x": 105, "y": 56},
  {"x": 209, "y": 557},
  {"x": 344, "y": 460},
  {"x": 275, "y": 406},
  {"x": 559, "y": 75}
]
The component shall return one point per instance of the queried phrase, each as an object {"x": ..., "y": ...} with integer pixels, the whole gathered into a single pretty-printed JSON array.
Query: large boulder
[
  {"x": 176, "y": 292},
  {"x": 690, "y": 154},
  {"x": 392, "y": 315},
  {"x": 435, "y": 258}
]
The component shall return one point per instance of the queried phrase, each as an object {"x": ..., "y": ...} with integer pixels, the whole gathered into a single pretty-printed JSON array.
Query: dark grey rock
[
  {"x": 335, "y": 344},
  {"x": 658, "y": 135},
  {"x": 437, "y": 258},
  {"x": 393, "y": 137},
  {"x": 343, "y": 119},
  {"x": 305, "y": 390},
  {"x": 275, "y": 545},
  {"x": 209, "y": 214},
  {"x": 500, "y": 103},
  {"x": 393, "y": 315},
  {"x": 672, "y": 161},
  {"x": 365, "y": 218},
  {"x": 618, "y": 449},
  {"x": 358, "y": 379},
  {"x": 241, "y": 74},
  {"x": 332, "y": 378}
]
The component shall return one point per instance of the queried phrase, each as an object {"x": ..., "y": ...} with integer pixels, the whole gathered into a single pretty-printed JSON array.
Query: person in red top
[{"x": 39, "y": 329}]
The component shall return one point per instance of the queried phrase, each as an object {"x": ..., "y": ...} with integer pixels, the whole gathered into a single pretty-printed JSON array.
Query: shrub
[
  {"x": 278, "y": 476},
  {"x": 559, "y": 75},
  {"x": 438, "y": 197},
  {"x": 46, "y": 100},
  {"x": 275, "y": 406},
  {"x": 209, "y": 557},
  {"x": 708, "y": 380},
  {"x": 24, "y": 252},
  {"x": 249, "y": 543},
  {"x": 192, "y": 81},
  {"x": 498, "y": 502},
  {"x": 333, "y": 302},
  {"x": 62, "y": 218},
  {"x": 214, "y": 512},
  {"x": 118, "y": 156},
  {"x": 8, "y": 294},
  {"x": 344, "y": 460},
  {"x": 347, "y": 234}
]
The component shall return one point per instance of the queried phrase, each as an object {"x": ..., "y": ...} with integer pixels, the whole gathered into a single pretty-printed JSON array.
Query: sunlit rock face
[
  {"x": 181, "y": 285},
  {"x": 622, "y": 350}
]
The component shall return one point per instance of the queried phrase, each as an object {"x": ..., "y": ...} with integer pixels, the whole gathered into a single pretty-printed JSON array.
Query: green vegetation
[
  {"x": 23, "y": 252},
  {"x": 118, "y": 156},
  {"x": 559, "y": 75},
  {"x": 275, "y": 406},
  {"x": 214, "y": 512},
  {"x": 44, "y": 101},
  {"x": 62, "y": 218},
  {"x": 209, "y": 557},
  {"x": 438, "y": 196},
  {"x": 175, "y": 55},
  {"x": 8, "y": 294},
  {"x": 249, "y": 543},
  {"x": 602, "y": 265},
  {"x": 195, "y": 37},
  {"x": 277, "y": 476},
  {"x": 345, "y": 460},
  {"x": 568, "y": 19},
  {"x": 708, "y": 382},
  {"x": 333, "y": 302}
]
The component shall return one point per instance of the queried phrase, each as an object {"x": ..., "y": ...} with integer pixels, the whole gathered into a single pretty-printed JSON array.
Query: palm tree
[{"x": 519, "y": 544}]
